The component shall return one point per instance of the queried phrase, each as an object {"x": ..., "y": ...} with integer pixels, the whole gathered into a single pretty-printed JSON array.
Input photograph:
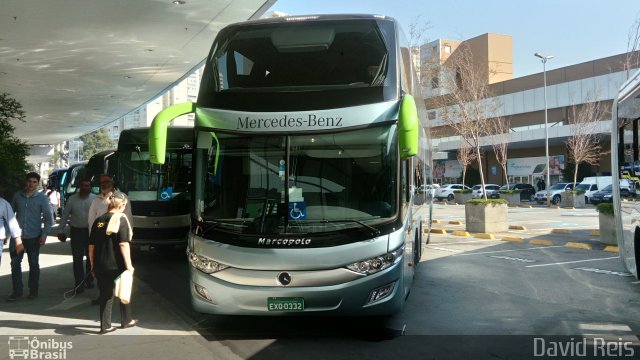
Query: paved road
[{"x": 470, "y": 298}]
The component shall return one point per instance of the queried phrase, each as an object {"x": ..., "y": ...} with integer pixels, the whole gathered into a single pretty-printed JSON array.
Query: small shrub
[
  {"x": 509, "y": 192},
  {"x": 605, "y": 208},
  {"x": 576, "y": 192},
  {"x": 482, "y": 201},
  {"x": 465, "y": 191}
]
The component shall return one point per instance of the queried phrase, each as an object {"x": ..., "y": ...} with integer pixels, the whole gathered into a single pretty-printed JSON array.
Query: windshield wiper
[{"x": 374, "y": 231}]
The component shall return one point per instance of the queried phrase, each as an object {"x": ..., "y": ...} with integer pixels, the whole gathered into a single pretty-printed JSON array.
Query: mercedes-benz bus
[
  {"x": 625, "y": 163},
  {"x": 308, "y": 147},
  {"x": 159, "y": 194}
]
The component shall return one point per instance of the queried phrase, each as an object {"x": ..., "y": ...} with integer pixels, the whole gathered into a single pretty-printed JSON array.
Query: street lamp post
[{"x": 546, "y": 124}]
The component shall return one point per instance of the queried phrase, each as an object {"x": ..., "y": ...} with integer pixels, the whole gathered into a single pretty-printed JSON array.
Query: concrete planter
[
  {"x": 512, "y": 198},
  {"x": 486, "y": 218},
  {"x": 607, "y": 229},
  {"x": 572, "y": 200},
  {"x": 462, "y": 198}
]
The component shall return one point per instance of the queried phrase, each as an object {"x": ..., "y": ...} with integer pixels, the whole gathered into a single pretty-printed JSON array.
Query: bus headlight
[
  {"x": 204, "y": 264},
  {"x": 376, "y": 264}
]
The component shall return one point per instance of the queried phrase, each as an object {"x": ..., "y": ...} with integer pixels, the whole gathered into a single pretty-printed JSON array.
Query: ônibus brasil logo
[{"x": 25, "y": 347}]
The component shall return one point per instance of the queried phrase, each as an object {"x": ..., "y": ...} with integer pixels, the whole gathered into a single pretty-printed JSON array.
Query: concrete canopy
[{"x": 76, "y": 66}]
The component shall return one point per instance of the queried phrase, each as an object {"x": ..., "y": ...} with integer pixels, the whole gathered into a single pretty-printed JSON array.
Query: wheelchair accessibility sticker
[
  {"x": 297, "y": 210},
  {"x": 166, "y": 193}
]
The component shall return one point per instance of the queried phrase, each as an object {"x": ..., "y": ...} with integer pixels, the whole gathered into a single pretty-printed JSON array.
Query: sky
[{"x": 573, "y": 31}]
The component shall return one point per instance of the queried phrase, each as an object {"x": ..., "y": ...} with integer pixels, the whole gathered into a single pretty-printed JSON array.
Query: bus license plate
[{"x": 285, "y": 304}]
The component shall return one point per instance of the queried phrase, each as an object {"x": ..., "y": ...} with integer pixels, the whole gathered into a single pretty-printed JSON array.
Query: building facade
[{"x": 522, "y": 102}]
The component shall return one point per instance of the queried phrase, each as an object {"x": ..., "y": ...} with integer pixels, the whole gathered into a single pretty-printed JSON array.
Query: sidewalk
[{"x": 56, "y": 312}]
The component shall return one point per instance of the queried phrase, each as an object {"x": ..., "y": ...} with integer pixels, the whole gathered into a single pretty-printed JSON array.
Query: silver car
[{"x": 555, "y": 192}]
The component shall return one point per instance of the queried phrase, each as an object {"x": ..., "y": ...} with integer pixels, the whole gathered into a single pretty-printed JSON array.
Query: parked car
[
  {"x": 602, "y": 196},
  {"x": 526, "y": 191},
  {"x": 589, "y": 190},
  {"x": 555, "y": 192},
  {"x": 477, "y": 192},
  {"x": 445, "y": 192}
]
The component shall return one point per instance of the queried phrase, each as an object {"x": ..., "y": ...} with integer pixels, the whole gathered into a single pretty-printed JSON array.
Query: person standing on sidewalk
[
  {"x": 110, "y": 255},
  {"x": 9, "y": 226},
  {"x": 31, "y": 208},
  {"x": 100, "y": 206},
  {"x": 77, "y": 209},
  {"x": 54, "y": 200}
]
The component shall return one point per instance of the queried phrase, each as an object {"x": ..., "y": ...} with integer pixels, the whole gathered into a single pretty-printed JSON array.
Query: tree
[
  {"x": 95, "y": 142},
  {"x": 501, "y": 128},
  {"x": 632, "y": 58},
  {"x": 584, "y": 144},
  {"x": 467, "y": 106},
  {"x": 465, "y": 157},
  {"x": 13, "y": 151}
]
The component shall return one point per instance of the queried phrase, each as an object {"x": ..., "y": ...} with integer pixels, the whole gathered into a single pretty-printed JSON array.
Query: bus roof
[
  {"x": 313, "y": 17},
  {"x": 630, "y": 87}
]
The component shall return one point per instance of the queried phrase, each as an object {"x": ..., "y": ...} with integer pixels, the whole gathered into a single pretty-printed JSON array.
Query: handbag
[{"x": 123, "y": 285}]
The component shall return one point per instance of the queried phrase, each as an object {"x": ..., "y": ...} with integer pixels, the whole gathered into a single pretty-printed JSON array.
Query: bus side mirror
[
  {"x": 158, "y": 129},
  {"x": 409, "y": 127}
]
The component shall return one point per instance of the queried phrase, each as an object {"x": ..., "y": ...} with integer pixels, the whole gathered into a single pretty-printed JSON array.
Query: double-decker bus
[
  {"x": 625, "y": 163},
  {"x": 307, "y": 151},
  {"x": 159, "y": 194}
]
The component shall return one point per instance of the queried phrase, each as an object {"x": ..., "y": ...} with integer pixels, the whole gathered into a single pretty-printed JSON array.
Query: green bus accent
[
  {"x": 408, "y": 127},
  {"x": 158, "y": 130}
]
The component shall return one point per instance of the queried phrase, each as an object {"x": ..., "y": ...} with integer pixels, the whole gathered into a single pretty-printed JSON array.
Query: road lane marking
[
  {"x": 443, "y": 249},
  {"x": 574, "y": 262},
  {"x": 503, "y": 251},
  {"x": 601, "y": 271},
  {"x": 512, "y": 258}
]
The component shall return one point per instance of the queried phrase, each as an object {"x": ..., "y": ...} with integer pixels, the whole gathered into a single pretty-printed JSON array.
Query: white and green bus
[
  {"x": 625, "y": 163},
  {"x": 307, "y": 151}
]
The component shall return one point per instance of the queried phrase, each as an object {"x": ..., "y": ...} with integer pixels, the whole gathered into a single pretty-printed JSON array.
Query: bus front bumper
[{"x": 214, "y": 296}]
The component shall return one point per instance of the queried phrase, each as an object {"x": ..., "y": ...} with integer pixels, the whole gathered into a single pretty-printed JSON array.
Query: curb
[
  {"x": 612, "y": 248},
  {"x": 541, "y": 242},
  {"x": 576, "y": 245},
  {"x": 484, "y": 236},
  {"x": 517, "y": 227},
  {"x": 513, "y": 239},
  {"x": 460, "y": 233},
  {"x": 455, "y": 222},
  {"x": 438, "y": 231}
]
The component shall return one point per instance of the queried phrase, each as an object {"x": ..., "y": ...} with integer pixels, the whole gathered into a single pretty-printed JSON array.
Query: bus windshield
[
  {"x": 141, "y": 180},
  {"x": 335, "y": 181},
  {"x": 299, "y": 63}
]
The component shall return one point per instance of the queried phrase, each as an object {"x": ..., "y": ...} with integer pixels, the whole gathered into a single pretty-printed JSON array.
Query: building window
[
  {"x": 435, "y": 82},
  {"x": 447, "y": 49}
]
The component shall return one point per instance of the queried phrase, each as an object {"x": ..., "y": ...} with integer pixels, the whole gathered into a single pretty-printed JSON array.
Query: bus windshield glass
[
  {"x": 301, "y": 64},
  {"x": 299, "y": 184},
  {"x": 141, "y": 180}
]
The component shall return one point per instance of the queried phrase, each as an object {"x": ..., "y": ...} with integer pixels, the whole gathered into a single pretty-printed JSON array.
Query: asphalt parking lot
[{"x": 529, "y": 222}]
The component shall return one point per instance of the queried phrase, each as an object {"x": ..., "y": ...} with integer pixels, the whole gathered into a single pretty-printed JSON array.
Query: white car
[
  {"x": 445, "y": 192},
  {"x": 555, "y": 192},
  {"x": 477, "y": 192}
]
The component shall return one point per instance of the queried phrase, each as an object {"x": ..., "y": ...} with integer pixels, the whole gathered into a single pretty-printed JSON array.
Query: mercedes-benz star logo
[{"x": 284, "y": 278}]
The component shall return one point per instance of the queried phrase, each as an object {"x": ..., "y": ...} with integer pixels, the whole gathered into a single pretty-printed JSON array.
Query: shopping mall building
[{"x": 522, "y": 102}]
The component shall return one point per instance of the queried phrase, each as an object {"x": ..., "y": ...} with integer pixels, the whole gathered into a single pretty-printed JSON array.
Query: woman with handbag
[{"x": 110, "y": 256}]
